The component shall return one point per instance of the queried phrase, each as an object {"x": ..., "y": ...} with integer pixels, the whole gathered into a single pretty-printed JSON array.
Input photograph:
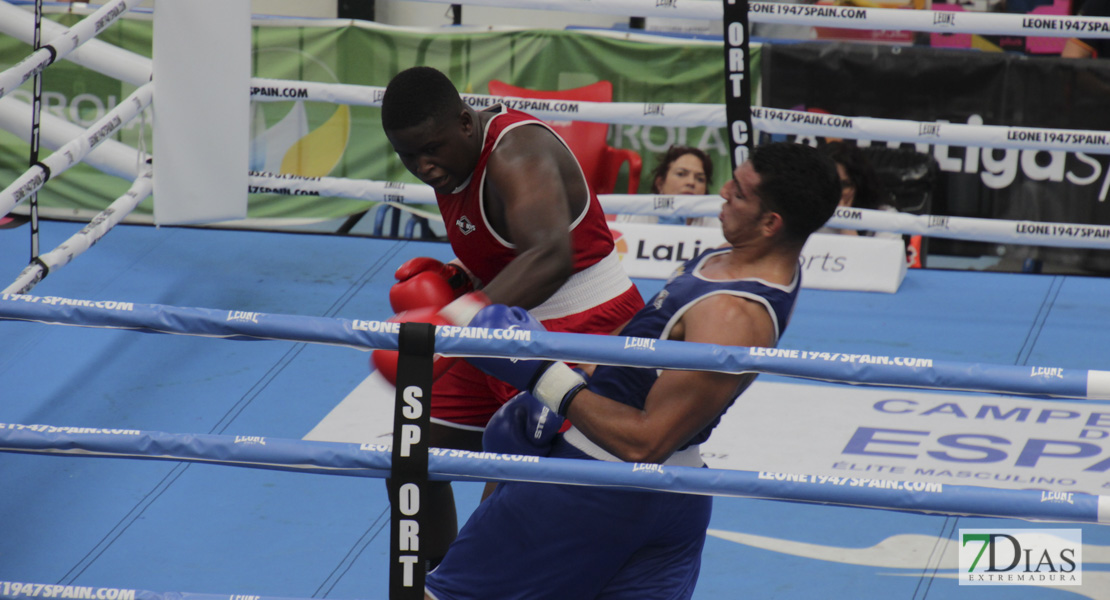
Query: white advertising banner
[
  {"x": 862, "y": 433},
  {"x": 912, "y": 435},
  {"x": 829, "y": 262},
  {"x": 202, "y": 52},
  {"x": 851, "y": 262}
]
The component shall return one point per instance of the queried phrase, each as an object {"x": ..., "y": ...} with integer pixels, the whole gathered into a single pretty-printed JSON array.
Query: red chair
[{"x": 600, "y": 162}]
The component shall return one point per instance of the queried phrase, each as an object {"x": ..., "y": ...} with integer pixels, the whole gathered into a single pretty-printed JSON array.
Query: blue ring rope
[
  {"x": 373, "y": 460},
  {"x": 869, "y": 369}
]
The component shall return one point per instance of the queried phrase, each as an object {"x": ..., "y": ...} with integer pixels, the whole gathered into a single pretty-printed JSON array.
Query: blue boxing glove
[
  {"x": 523, "y": 425},
  {"x": 552, "y": 383}
]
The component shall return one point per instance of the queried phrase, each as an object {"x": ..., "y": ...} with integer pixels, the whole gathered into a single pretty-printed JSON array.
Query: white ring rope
[
  {"x": 646, "y": 113},
  {"x": 1030, "y": 233},
  {"x": 111, "y": 156},
  {"x": 74, "y": 151},
  {"x": 100, "y": 56},
  {"x": 641, "y": 113},
  {"x": 776, "y": 120},
  {"x": 687, "y": 114},
  {"x": 81, "y": 241},
  {"x": 941, "y": 21},
  {"x": 844, "y": 17},
  {"x": 135, "y": 69},
  {"x": 770, "y": 120},
  {"x": 399, "y": 195},
  {"x": 62, "y": 45}
]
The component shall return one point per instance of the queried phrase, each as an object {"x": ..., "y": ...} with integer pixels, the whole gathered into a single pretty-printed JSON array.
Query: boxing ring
[{"x": 194, "y": 405}]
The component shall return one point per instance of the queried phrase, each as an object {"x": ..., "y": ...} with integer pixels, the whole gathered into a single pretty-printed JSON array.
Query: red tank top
[{"x": 475, "y": 243}]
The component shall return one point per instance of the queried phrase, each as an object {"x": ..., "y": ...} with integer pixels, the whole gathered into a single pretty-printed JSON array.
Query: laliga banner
[
  {"x": 1060, "y": 178},
  {"x": 738, "y": 95},
  {"x": 828, "y": 262}
]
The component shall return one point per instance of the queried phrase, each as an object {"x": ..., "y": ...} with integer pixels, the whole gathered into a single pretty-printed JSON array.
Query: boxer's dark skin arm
[{"x": 533, "y": 187}]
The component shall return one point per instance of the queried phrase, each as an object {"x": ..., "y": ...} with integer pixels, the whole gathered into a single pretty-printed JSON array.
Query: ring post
[
  {"x": 738, "y": 94},
  {"x": 36, "y": 117},
  {"x": 415, "y": 345}
]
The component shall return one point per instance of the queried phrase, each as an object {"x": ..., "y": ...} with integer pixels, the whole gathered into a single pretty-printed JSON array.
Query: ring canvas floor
[{"x": 174, "y": 527}]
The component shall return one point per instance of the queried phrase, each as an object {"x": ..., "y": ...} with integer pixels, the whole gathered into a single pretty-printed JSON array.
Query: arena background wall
[{"x": 891, "y": 81}]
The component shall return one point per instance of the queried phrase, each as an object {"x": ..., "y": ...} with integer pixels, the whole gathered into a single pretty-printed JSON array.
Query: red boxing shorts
[{"x": 466, "y": 397}]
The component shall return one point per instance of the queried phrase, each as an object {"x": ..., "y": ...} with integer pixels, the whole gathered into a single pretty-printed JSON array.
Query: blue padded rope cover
[
  {"x": 373, "y": 460},
  {"x": 614, "y": 350}
]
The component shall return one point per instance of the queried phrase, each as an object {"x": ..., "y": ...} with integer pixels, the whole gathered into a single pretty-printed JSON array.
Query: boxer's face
[
  {"x": 441, "y": 153},
  {"x": 742, "y": 215}
]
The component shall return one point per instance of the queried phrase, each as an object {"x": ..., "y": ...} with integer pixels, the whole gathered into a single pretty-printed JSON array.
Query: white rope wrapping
[
  {"x": 81, "y": 241},
  {"x": 62, "y": 44},
  {"x": 74, "y": 151},
  {"x": 661, "y": 205},
  {"x": 844, "y": 17}
]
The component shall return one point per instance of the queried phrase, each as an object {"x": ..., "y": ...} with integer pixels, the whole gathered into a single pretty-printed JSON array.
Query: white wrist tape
[
  {"x": 557, "y": 385},
  {"x": 461, "y": 311}
]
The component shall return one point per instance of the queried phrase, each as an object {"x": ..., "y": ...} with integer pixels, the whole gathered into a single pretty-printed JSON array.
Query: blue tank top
[{"x": 630, "y": 385}]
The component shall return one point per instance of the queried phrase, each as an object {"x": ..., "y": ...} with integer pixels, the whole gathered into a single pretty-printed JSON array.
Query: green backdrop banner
[{"x": 319, "y": 139}]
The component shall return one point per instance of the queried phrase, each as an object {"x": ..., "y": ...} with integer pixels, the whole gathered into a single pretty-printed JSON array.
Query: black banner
[
  {"x": 969, "y": 87},
  {"x": 738, "y": 95},
  {"x": 415, "y": 344}
]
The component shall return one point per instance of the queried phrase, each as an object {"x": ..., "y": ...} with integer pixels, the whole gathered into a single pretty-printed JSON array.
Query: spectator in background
[
  {"x": 1092, "y": 47},
  {"x": 682, "y": 170},
  {"x": 859, "y": 185}
]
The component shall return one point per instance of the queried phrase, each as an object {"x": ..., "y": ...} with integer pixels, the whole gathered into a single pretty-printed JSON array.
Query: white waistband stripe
[
  {"x": 689, "y": 457},
  {"x": 586, "y": 289}
]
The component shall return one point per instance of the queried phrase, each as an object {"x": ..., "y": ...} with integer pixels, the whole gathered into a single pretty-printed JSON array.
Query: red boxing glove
[
  {"x": 424, "y": 281},
  {"x": 422, "y": 290},
  {"x": 416, "y": 265},
  {"x": 385, "y": 361}
]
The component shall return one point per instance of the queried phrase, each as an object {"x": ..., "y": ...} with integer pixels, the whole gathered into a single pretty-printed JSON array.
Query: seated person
[
  {"x": 555, "y": 541},
  {"x": 859, "y": 186},
  {"x": 682, "y": 170}
]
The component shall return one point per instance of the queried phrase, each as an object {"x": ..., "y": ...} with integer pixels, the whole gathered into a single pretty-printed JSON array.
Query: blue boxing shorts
[{"x": 535, "y": 540}]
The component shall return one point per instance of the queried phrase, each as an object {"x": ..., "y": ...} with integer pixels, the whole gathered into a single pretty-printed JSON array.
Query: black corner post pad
[
  {"x": 738, "y": 95},
  {"x": 416, "y": 346}
]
